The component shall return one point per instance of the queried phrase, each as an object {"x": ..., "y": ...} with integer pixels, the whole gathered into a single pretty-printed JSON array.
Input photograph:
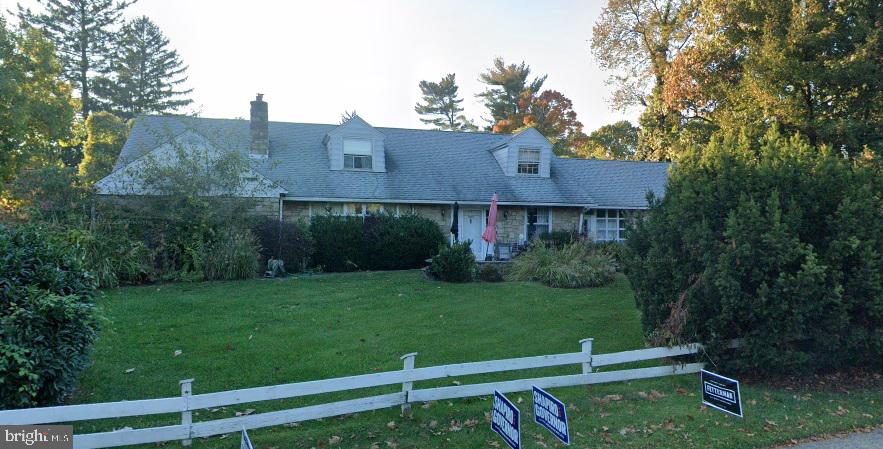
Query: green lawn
[{"x": 254, "y": 333}]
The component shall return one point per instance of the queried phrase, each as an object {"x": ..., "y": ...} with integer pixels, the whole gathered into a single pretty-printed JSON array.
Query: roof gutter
[{"x": 403, "y": 201}]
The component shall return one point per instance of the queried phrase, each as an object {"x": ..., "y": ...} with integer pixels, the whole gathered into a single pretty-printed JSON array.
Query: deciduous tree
[
  {"x": 35, "y": 103},
  {"x": 636, "y": 40},
  {"x": 813, "y": 66},
  {"x": 105, "y": 136},
  {"x": 615, "y": 141}
]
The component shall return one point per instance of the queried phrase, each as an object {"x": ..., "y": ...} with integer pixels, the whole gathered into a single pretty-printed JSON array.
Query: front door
[{"x": 471, "y": 227}]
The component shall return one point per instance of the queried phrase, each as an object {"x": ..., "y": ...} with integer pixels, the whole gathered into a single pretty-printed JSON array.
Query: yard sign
[
  {"x": 721, "y": 393},
  {"x": 505, "y": 420},
  {"x": 549, "y": 412},
  {"x": 245, "y": 442}
]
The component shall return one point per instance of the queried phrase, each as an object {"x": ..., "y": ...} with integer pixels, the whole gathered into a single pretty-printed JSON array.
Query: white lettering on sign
[
  {"x": 723, "y": 394},
  {"x": 549, "y": 412},
  {"x": 505, "y": 419}
]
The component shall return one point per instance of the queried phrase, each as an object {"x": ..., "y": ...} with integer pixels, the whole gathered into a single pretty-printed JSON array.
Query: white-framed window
[
  {"x": 538, "y": 220},
  {"x": 528, "y": 161},
  {"x": 361, "y": 209},
  {"x": 610, "y": 224},
  {"x": 357, "y": 154}
]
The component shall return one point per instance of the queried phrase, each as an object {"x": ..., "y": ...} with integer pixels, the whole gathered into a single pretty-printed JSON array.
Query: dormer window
[
  {"x": 528, "y": 162},
  {"x": 357, "y": 154}
]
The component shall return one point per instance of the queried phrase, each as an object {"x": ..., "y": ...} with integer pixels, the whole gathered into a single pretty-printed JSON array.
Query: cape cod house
[{"x": 356, "y": 169}]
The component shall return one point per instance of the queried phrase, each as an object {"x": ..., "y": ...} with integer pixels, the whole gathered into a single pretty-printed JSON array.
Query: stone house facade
[{"x": 302, "y": 170}]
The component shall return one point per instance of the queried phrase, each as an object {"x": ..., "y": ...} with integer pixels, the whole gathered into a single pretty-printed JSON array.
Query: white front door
[{"x": 471, "y": 227}]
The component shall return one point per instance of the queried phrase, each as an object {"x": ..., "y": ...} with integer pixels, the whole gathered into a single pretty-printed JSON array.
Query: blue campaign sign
[
  {"x": 549, "y": 412},
  {"x": 245, "y": 441},
  {"x": 506, "y": 420},
  {"x": 721, "y": 393}
]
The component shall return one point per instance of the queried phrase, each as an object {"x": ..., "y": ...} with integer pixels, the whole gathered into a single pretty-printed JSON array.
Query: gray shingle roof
[{"x": 422, "y": 165}]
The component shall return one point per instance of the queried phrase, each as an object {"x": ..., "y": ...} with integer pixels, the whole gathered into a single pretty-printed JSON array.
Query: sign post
[
  {"x": 506, "y": 420},
  {"x": 550, "y": 413},
  {"x": 721, "y": 393}
]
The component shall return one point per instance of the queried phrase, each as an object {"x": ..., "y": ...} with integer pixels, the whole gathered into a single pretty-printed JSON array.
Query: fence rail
[{"x": 188, "y": 402}]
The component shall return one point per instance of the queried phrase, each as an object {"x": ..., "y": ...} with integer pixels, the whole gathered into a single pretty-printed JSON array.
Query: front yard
[{"x": 253, "y": 333}]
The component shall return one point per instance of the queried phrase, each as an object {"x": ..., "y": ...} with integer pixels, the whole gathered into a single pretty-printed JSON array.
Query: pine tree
[
  {"x": 508, "y": 87},
  {"x": 147, "y": 73},
  {"x": 441, "y": 104},
  {"x": 82, "y": 31}
]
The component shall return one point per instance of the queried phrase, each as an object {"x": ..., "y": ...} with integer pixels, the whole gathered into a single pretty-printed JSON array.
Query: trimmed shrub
[
  {"x": 233, "y": 255},
  {"x": 489, "y": 273},
  {"x": 454, "y": 263},
  {"x": 398, "y": 243},
  {"x": 289, "y": 242},
  {"x": 780, "y": 244},
  {"x": 574, "y": 265},
  {"x": 339, "y": 242},
  {"x": 376, "y": 242},
  {"x": 47, "y": 317}
]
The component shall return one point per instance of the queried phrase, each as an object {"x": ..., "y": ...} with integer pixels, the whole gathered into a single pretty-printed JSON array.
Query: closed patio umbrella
[
  {"x": 490, "y": 231},
  {"x": 455, "y": 224}
]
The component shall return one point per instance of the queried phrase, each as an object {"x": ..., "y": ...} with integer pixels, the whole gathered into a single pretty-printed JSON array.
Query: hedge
[
  {"x": 376, "y": 242},
  {"x": 779, "y": 243}
]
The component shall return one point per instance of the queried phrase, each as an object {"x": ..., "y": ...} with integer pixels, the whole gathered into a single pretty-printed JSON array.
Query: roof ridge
[{"x": 173, "y": 116}]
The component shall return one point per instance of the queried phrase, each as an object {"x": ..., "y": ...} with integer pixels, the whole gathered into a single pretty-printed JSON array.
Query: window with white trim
[
  {"x": 610, "y": 224},
  {"x": 361, "y": 209},
  {"x": 538, "y": 221},
  {"x": 357, "y": 154},
  {"x": 528, "y": 162}
]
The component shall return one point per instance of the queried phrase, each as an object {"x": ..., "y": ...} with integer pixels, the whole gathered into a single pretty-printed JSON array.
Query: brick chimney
[{"x": 260, "y": 135}]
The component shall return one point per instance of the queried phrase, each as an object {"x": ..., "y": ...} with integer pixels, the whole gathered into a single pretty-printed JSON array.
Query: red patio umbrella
[{"x": 490, "y": 231}]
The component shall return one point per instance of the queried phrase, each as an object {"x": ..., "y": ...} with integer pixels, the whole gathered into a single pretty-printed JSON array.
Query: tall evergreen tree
[
  {"x": 508, "y": 87},
  {"x": 82, "y": 31},
  {"x": 442, "y": 105},
  {"x": 147, "y": 73}
]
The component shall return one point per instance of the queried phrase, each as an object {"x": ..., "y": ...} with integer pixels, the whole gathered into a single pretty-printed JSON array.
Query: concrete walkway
[{"x": 859, "y": 440}]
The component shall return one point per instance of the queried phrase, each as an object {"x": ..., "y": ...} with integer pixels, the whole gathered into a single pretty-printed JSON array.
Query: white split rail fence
[{"x": 188, "y": 402}]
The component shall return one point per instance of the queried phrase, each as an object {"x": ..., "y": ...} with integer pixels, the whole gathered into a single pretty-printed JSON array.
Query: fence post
[
  {"x": 187, "y": 415},
  {"x": 407, "y": 386},
  {"x": 587, "y": 348}
]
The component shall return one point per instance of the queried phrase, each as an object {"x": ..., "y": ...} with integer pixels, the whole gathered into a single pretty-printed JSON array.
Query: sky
[{"x": 314, "y": 60}]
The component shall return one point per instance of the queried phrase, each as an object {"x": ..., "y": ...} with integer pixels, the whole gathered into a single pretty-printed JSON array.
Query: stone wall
[{"x": 565, "y": 218}]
